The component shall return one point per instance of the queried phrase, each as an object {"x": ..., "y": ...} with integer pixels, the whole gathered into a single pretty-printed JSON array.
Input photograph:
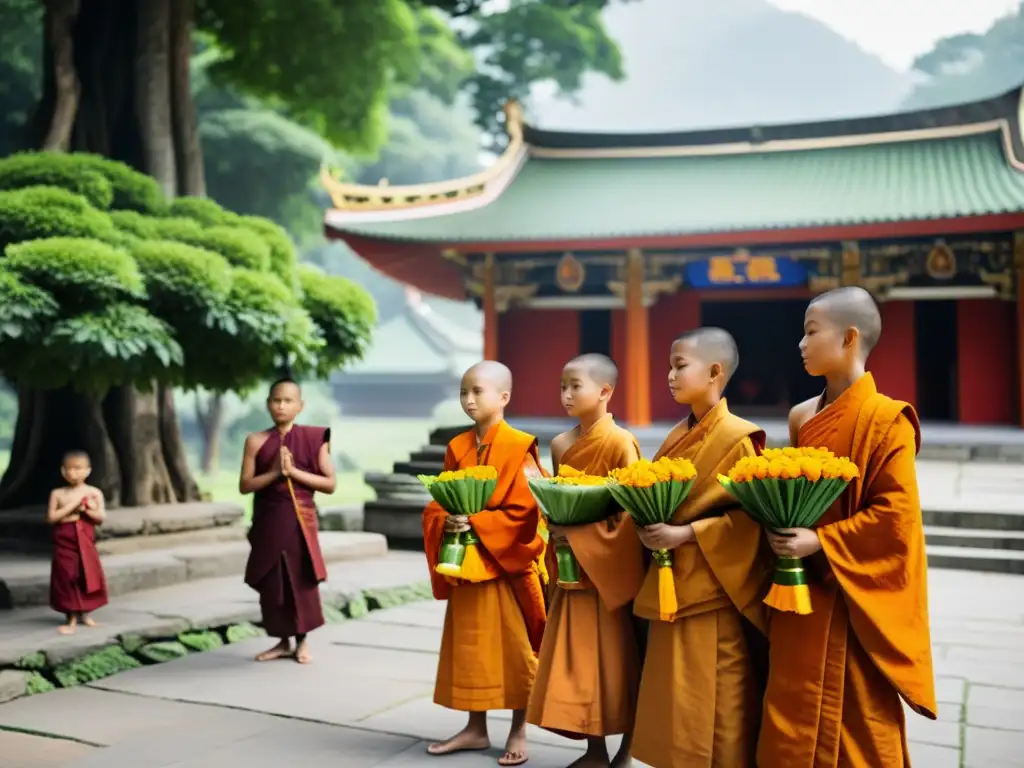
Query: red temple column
[
  {"x": 638, "y": 392},
  {"x": 1018, "y": 262},
  {"x": 490, "y": 308}
]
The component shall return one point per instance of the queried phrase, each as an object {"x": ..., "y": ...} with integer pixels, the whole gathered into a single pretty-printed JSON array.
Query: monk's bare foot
[
  {"x": 89, "y": 621},
  {"x": 280, "y": 651},
  {"x": 302, "y": 654},
  {"x": 66, "y": 629},
  {"x": 466, "y": 740},
  {"x": 515, "y": 748}
]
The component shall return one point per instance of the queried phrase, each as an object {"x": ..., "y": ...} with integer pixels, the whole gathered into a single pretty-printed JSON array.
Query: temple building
[{"x": 589, "y": 242}]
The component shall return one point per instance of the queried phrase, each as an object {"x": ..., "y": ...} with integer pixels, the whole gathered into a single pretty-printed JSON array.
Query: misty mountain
[{"x": 701, "y": 64}]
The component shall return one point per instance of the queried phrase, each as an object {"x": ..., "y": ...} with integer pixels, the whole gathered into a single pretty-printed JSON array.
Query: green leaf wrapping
[
  {"x": 460, "y": 497},
  {"x": 566, "y": 504},
  {"x": 655, "y": 504},
  {"x": 777, "y": 504}
]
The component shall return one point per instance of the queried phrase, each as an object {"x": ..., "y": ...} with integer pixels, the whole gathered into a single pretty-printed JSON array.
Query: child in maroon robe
[
  {"x": 77, "y": 584},
  {"x": 284, "y": 466}
]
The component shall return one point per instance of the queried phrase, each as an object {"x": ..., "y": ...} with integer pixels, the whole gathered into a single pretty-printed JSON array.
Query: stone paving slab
[
  {"x": 27, "y": 582},
  {"x": 24, "y": 750},
  {"x": 166, "y": 611}
]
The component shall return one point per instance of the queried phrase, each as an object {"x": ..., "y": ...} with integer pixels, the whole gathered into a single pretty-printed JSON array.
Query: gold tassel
[
  {"x": 668, "y": 604},
  {"x": 790, "y": 599},
  {"x": 475, "y": 568}
]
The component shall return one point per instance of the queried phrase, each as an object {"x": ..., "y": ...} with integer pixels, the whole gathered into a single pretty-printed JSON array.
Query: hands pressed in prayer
[
  {"x": 665, "y": 536},
  {"x": 287, "y": 462},
  {"x": 794, "y": 542}
]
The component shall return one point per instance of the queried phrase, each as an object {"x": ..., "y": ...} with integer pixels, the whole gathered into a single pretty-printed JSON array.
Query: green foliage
[
  {"x": 161, "y": 651},
  {"x": 95, "y": 666},
  {"x": 133, "y": 191},
  {"x": 76, "y": 271},
  {"x": 22, "y": 217},
  {"x": 237, "y": 633},
  {"x": 24, "y": 309},
  {"x": 33, "y": 661},
  {"x": 357, "y": 607},
  {"x": 242, "y": 247},
  {"x": 185, "y": 284},
  {"x": 202, "y": 210},
  {"x": 33, "y": 169},
  {"x": 283, "y": 261},
  {"x": 344, "y": 313},
  {"x": 201, "y": 641}
]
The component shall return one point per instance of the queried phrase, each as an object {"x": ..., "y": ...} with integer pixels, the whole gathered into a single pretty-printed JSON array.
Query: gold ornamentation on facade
[
  {"x": 652, "y": 289},
  {"x": 383, "y": 196},
  {"x": 570, "y": 274},
  {"x": 505, "y": 296},
  {"x": 941, "y": 262},
  {"x": 851, "y": 274}
]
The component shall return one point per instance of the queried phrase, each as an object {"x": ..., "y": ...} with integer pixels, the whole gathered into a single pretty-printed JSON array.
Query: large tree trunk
[
  {"x": 191, "y": 177},
  {"x": 211, "y": 424},
  {"x": 127, "y": 58}
]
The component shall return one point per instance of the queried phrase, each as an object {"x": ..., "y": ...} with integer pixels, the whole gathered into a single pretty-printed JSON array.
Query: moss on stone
[
  {"x": 357, "y": 607},
  {"x": 162, "y": 650},
  {"x": 38, "y": 684},
  {"x": 95, "y": 666},
  {"x": 32, "y": 661},
  {"x": 236, "y": 633},
  {"x": 207, "y": 640},
  {"x": 334, "y": 615}
]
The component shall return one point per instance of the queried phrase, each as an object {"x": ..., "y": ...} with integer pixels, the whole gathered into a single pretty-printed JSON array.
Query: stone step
[
  {"x": 129, "y": 544},
  {"x": 429, "y": 453},
  {"x": 968, "y": 538},
  {"x": 29, "y": 524},
  {"x": 27, "y": 582},
  {"x": 976, "y": 559},
  {"x": 418, "y": 467},
  {"x": 994, "y": 519},
  {"x": 443, "y": 435}
]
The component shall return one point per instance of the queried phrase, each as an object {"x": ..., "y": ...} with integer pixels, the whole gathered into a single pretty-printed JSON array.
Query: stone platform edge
[{"x": 173, "y": 638}]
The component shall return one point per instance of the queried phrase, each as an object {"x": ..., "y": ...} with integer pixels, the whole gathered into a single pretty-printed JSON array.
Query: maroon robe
[
  {"x": 77, "y": 583},
  {"x": 285, "y": 565}
]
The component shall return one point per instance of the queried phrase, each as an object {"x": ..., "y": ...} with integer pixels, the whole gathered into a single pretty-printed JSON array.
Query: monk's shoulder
[
  {"x": 561, "y": 443},
  {"x": 255, "y": 440},
  {"x": 883, "y": 413},
  {"x": 462, "y": 441},
  {"x": 734, "y": 429},
  {"x": 801, "y": 413},
  {"x": 517, "y": 440}
]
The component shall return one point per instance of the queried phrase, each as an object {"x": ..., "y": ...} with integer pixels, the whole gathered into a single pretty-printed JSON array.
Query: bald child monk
[
  {"x": 836, "y": 676},
  {"x": 284, "y": 467},
  {"x": 589, "y": 665},
  {"x": 699, "y": 693},
  {"x": 492, "y": 628}
]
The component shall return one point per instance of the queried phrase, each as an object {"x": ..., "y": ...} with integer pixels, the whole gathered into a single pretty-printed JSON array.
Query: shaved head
[
  {"x": 600, "y": 368},
  {"x": 492, "y": 371},
  {"x": 852, "y": 307},
  {"x": 714, "y": 345}
]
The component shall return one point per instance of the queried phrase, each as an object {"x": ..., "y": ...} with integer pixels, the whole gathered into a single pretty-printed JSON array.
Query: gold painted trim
[{"x": 383, "y": 196}]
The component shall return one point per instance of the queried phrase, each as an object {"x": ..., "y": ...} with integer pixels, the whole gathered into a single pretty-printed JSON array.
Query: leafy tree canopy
[{"x": 95, "y": 295}]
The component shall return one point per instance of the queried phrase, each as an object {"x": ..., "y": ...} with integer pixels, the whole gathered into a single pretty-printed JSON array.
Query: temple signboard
[{"x": 742, "y": 268}]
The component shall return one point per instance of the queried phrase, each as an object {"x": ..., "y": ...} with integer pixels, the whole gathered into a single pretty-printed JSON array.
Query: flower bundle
[
  {"x": 789, "y": 488},
  {"x": 651, "y": 492},
  {"x": 570, "y": 498},
  {"x": 462, "y": 492}
]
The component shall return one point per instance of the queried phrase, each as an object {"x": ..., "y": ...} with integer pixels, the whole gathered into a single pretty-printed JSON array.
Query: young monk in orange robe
[
  {"x": 492, "y": 628},
  {"x": 837, "y": 675},
  {"x": 699, "y": 694},
  {"x": 589, "y": 665}
]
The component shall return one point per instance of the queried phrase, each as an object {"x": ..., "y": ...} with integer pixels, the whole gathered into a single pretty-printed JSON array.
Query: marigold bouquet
[
  {"x": 651, "y": 492},
  {"x": 461, "y": 492},
  {"x": 571, "y": 498},
  {"x": 789, "y": 488}
]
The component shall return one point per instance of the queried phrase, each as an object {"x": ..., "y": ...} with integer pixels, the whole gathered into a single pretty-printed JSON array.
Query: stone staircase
[
  {"x": 149, "y": 547},
  {"x": 988, "y": 539}
]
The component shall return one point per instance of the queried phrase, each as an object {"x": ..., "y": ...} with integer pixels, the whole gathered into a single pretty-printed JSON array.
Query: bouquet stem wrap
[
  {"x": 651, "y": 492},
  {"x": 571, "y": 498},
  {"x": 463, "y": 492},
  {"x": 789, "y": 488}
]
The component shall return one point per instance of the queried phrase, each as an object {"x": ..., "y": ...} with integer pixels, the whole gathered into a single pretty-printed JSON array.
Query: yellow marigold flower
[
  {"x": 645, "y": 473},
  {"x": 470, "y": 473}
]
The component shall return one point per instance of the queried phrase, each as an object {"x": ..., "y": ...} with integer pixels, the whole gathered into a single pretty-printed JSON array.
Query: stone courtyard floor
[{"x": 366, "y": 699}]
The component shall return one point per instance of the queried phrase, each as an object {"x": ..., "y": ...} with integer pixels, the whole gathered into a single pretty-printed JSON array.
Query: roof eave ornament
[{"x": 383, "y": 196}]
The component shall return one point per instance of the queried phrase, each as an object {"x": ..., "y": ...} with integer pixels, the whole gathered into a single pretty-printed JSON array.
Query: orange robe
[
  {"x": 493, "y": 628},
  {"x": 699, "y": 694},
  {"x": 837, "y": 675},
  {"x": 589, "y": 665}
]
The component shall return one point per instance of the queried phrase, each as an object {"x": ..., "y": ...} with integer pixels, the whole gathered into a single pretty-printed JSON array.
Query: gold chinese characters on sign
[{"x": 742, "y": 267}]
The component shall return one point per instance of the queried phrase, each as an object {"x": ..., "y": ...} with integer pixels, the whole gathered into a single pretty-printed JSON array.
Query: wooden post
[
  {"x": 1018, "y": 264},
  {"x": 638, "y": 363},
  {"x": 490, "y": 309}
]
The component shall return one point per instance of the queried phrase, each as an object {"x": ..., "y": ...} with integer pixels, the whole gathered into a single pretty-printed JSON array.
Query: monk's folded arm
[{"x": 877, "y": 535}]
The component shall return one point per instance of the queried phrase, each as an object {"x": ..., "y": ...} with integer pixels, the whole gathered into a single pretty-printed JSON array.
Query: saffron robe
[
  {"x": 589, "y": 666},
  {"x": 698, "y": 704},
  {"x": 836, "y": 676},
  {"x": 285, "y": 565},
  {"x": 492, "y": 628},
  {"x": 77, "y": 582}
]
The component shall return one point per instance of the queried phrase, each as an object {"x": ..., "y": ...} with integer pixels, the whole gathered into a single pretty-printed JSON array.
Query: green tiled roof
[{"x": 554, "y": 199}]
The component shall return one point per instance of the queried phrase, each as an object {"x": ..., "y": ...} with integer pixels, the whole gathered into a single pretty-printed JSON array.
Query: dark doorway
[
  {"x": 596, "y": 332},
  {"x": 771, "y": 377},
  {"x": 935, "y": 336}
]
